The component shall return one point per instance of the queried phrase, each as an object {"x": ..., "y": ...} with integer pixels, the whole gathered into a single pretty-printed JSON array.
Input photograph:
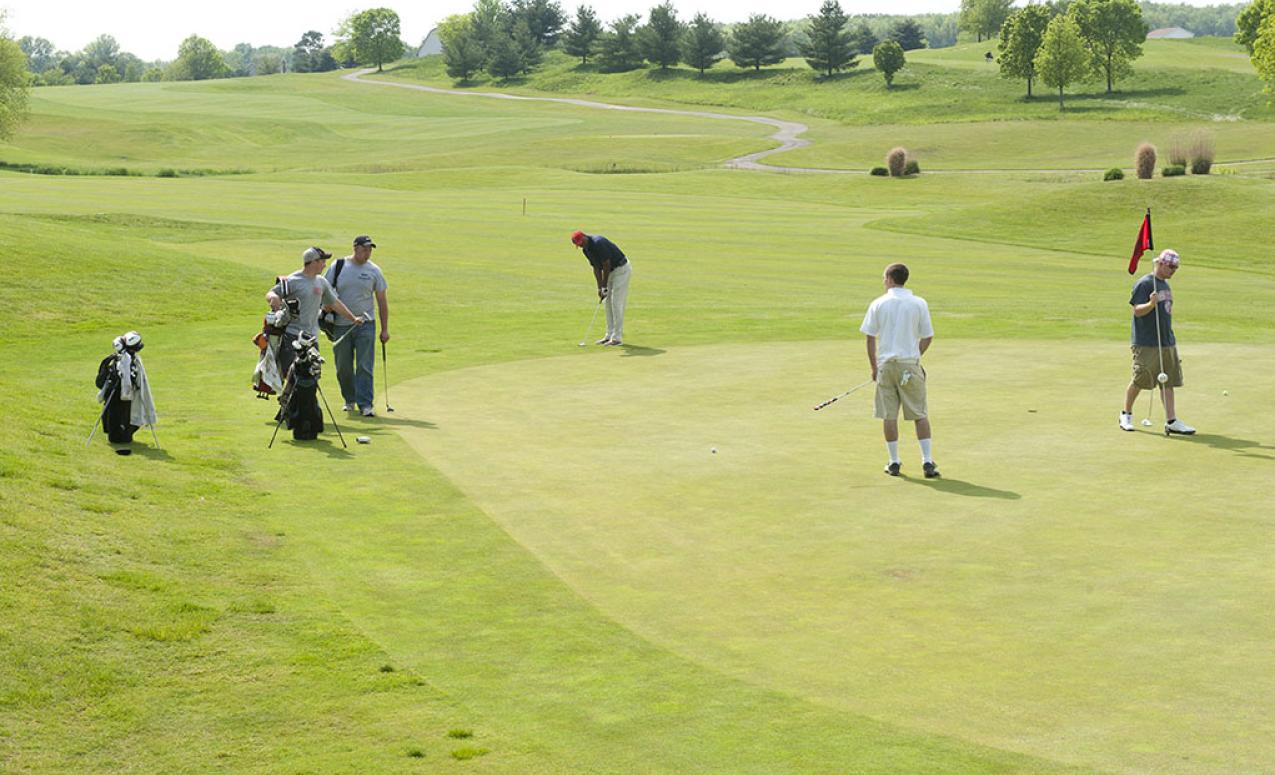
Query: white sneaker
[
  {"x": 1177, "y": 426},
  {"x": 604, "y": 340},
  {"x": 1126, "y": 421},
  {"x": 367, "y": 411}
]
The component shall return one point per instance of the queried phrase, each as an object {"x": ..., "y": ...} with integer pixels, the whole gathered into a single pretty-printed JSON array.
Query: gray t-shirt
[
  {"x": 1143, "y": 333},
  {"x": 312, "y": 293},
  {"x": 357, "y": 286}
]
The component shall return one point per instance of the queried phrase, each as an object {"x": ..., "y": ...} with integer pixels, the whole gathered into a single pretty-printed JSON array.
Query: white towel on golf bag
[
  {"x": 142, "y": 410},
  {"x": 267, "y": 371}
]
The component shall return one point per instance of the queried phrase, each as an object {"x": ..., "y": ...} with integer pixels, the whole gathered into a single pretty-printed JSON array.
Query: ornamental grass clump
[
  {"x": 1202, "y": 151},
  {"x": 1115, "y": 173},
  {"x": 896, "y": 161},
  {"x": 1144, "y": 161}
]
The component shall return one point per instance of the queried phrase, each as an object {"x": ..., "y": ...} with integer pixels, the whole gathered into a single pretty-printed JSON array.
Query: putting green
[{"x": 1059, "y": 593}]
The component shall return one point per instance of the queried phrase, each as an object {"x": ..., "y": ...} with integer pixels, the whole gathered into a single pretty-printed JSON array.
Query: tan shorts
[
  {"x": 900, "y": 384},
  {"x": 1146, "y": 366}
]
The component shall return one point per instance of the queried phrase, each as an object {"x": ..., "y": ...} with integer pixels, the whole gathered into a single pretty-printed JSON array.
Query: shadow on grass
[
  {"x": 395, "y": 420},
  {"x": 1243, "y": 447},
  {"x": 328, "y": 446},
  {"x": 636, "y": 351},
  {"x": 968, "y": 489},
  {"x": 148, "y": 452}
]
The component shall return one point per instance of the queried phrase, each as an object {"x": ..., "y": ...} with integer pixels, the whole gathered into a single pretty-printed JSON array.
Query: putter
[
  {"x": 837, "y": 398},
  {"x": 585, "y": 336},
  {"x": 385, "y": 374}
]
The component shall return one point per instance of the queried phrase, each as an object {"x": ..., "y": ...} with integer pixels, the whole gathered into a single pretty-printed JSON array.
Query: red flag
[{"x": 1142, "y": 244}]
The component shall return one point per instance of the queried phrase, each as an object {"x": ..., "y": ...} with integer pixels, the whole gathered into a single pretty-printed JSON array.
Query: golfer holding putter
[
  {"x": 898, "y": 332},
  {"x": 612, "y": 270},
  {"x": 1155, "y": 351}
]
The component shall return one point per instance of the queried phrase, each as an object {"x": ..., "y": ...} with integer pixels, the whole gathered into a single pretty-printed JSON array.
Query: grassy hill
[{"x": 536, "y": 565}]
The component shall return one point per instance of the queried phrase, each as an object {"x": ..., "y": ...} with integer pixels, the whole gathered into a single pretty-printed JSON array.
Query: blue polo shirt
[{"x": 599, "y": 250}]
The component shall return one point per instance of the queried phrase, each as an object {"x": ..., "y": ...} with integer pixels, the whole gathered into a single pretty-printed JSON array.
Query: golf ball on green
[
  {"x": 1226, "y": 392},
  {"x": 714, "y": 450}
]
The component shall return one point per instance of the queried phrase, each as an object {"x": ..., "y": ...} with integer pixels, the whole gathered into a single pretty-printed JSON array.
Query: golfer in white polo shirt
[{"x": 898, "y": 332}]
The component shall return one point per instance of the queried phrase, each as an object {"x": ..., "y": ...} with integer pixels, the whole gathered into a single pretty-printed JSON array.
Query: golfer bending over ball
[
  {"x": 612, "y": 270},
  {"x": 899, "y": 331},
  {"x": 1155, "y": 351}
]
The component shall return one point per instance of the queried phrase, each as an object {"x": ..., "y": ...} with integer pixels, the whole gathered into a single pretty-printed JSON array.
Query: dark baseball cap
[{"x": 362, "y": 240}]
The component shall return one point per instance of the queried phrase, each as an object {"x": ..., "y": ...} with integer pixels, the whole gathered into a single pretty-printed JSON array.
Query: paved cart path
[{"x": 787, "y": 133}]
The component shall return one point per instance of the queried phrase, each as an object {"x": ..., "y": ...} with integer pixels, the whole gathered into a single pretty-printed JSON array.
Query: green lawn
[{"x": 538, "y": 564}]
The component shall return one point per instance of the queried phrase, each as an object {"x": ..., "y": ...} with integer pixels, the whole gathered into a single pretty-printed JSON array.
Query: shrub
[
  {"x": 167, "y": 172},
  {"x": 896, "y": 160},
  {"x": 879, "y": 172},
  {"x": 1177, "y": 151},
  {"x": 1173, "y": 170},
  {"x": 1144, "y": 161},
  {"x": 912, "y": 168},
  {"x": 1202, "y": 152},
  {"x": 1115, "y": 173}
]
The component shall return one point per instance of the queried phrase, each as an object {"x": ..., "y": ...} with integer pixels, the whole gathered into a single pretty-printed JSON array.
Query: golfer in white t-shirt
[{"x": 898, "y": 331}]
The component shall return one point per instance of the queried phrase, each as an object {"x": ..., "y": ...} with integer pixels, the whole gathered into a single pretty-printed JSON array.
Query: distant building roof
[
  {"x": 431, "y": 45},
  {"x": 1170, "y": 32}
]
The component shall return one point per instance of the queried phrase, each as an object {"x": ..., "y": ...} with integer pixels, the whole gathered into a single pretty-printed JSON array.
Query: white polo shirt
[{"x": 899, "y": 320}]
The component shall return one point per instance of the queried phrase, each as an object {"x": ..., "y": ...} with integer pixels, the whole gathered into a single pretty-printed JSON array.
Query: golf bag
[
  {"x": 304, "y": 415},
  {"x": 124, "y": 390},
  {"x": 266, "y": 377}
]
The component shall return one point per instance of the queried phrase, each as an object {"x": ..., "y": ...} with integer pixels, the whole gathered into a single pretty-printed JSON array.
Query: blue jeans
[{"x": 356, "y": 354}]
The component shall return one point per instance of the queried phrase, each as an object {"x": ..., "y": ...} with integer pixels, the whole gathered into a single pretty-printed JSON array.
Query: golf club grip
[{"x": 826, "y": 403}]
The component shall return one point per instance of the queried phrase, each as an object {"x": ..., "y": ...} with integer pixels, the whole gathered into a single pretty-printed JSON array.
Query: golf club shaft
[
  {"x": 585, "y": 336},
  {"x": 385, "y": 375},
  {"x": 837, "y": 398},
  {"x": 333, "y": 416}
]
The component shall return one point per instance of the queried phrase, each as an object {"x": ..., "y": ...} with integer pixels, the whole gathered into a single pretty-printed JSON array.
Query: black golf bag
[
  {"x": 117, "y": 412},
  {"x": 304, "y": 415}
]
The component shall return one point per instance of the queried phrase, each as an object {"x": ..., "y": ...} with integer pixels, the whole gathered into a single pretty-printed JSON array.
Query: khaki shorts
[
  {"x": 1146, "y": 366},
  {"x": 900, "y": 384}
]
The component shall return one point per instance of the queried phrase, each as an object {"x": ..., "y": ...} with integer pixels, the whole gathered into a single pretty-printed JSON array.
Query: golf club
[
  {"x": 585, "y": 336},
  {"x": 385, "y": 375},
  {"x": 834, "y": 399}
]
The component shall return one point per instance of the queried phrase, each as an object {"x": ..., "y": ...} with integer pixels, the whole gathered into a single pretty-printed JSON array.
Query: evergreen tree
[
  {"x": 504, "y": 58},
  {"x": 528, "y": 45},
  {"x": 463, "y": 53},
  {"x": 703, "y": 43},
  {"x": 756, "y": 42},
  {"x": 907, "y": 33},
  {"x": 618, "y": 49},
  {"x": 659, "y": 39},
  {"x": 831, "y": 47},
  {"x": 865, "y": 39},
  {"x": 1020, "y": 40},
  {"x": 1062, "y": 58},
  {"x": 581, "y": 38},
  {"x": 888, "y": 58},
  {"x": 544, "y": 19},
  {"x": 1112, "y": 31}
]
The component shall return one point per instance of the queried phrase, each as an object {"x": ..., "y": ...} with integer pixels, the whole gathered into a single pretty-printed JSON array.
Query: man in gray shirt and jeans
[
  {"x": 358, "y": 282},
  {"x": 311, "y": 293}
]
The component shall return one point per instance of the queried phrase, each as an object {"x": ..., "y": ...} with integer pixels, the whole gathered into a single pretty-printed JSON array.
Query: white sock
[
  {"x": 925, "y": 451},
  {"x": 893, "y": 447}
]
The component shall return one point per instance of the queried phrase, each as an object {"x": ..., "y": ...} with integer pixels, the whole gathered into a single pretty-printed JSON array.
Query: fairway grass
[{"x": 539, "y": 548}]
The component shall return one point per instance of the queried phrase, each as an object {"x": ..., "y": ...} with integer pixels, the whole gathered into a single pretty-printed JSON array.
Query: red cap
[{"x": 577, "y": 238}]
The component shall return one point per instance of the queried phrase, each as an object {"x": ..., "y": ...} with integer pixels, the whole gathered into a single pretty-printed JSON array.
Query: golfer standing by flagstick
[
  {"x": 612, "y": 270},
  {"x": 898, "y": 331},
  {"x": 1155, "y": 351}
]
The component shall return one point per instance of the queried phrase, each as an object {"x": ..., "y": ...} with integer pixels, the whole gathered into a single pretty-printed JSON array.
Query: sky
[{"x": 153, "y": 30}]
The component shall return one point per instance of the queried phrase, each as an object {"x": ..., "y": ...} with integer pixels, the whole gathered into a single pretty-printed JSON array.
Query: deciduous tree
[
  {"x": 756, "y": 42},
  {"x": 984, "y": 18},
  {"x": 1250, "y": 21},
  {"x": 1112, "y": 31},
  {"x": 1020, "y": 40},
  {"x": 373, "y": 37},
  {"x": 39, "y": 53},
  {"x": 831, "y": 47},
  {"x": 1061, "y": 59},
  {"x": 197, "y": 60},
  {"x": 1264, "y": 53},
  {"x": 888, "y": 58},
  {"x": 13, "y": 85}
]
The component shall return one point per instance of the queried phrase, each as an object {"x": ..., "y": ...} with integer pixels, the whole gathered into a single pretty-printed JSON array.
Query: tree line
[
  {"x": 1255, "y": 30},
  {"x": 509, "y": 39},
  {"x": 368, "y": 37}
]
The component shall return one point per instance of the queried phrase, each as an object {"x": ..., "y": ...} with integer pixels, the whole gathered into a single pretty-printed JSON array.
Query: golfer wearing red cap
[{"x": 612, "y": 270}]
